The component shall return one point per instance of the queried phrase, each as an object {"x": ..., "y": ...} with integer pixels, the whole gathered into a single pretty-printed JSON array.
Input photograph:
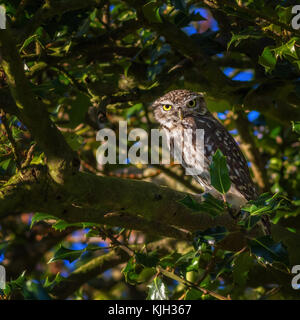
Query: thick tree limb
[
  {"x": 33, "y": 114},
  {"x": 119, "y": 202},
  {"x": 88, "y": 271}
]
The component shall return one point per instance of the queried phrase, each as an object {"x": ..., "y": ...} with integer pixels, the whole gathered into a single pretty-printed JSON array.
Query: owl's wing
[{"x": 217, "y": 137}]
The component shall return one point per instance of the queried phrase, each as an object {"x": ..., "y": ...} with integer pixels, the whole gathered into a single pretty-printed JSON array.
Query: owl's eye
[
  {"x": 191, "y": 103},
  {"x": 167, "y": 107}
]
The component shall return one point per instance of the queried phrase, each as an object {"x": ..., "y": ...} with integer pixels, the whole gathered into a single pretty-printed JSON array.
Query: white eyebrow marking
[{"x": 166, "y": 102}]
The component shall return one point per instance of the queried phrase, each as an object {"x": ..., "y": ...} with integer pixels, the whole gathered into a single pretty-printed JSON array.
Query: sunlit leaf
[
  {"x": 157, "y": 290},
  {"x": 219, "y": 174},
  {"x": 151, "y": 12},
  {"x": 267, "y": 59},
  {"x": 65, "y": 254}
]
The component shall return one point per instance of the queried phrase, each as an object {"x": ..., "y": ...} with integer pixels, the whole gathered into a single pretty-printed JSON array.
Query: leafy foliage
[
  {"x": 91, "y": 66},
  {"x": 219, "y": 174}
]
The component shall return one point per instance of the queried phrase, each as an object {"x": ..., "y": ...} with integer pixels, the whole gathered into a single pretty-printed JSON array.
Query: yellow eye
[
  {"x": 167, "y": 107},
  {"x": 191, "y": 103}
]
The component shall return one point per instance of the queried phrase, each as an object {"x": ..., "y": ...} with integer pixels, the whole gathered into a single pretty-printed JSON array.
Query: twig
[
  {"x": 123, "y": 246},
  {"x": 191, "y": 284},
  {"x": 29, "y": 156}
]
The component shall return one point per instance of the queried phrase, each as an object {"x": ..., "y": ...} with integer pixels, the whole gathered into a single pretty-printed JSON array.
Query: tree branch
[
  {"x": 60, "y": 157},
  {"x": 133, "y": 204}
]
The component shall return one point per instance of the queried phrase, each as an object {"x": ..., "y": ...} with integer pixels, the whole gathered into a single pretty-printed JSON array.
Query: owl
[{"x": 182, "y": 109}]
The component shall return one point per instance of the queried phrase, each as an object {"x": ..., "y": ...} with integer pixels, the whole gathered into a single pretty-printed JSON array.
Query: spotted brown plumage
[{"x": 182, "y": 109}]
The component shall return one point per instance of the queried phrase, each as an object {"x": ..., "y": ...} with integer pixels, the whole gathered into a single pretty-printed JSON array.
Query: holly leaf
[
  {"x": 210, "y": 204},
  {"x": 62, "y": 225},
  {"x": 210, "y": 235},
  {"x": 249, "y": 221},
  {"x": 40, "y": 216},
  {"x": 219, "y": 174},
  {"x": 266, "y": 248},
  {"x": 157, "y": 290},
  {"x": 193, "y": 294},
  {"x": 33, "y": 290},
  {"x": 190, "y": 203},
  {"x": 130, "y": 273},
  {"x": 241, "y": 267},
  {"x": 66, "y": 254},
  {"x": 247, "y": 34},
  {"x": 151, "y": 12},
  {"x": 296, "y": 126},
  {"x": 74, "y": 140},
  {"x": 147, "y": 260},
  {"x": 267, "y": 59}
]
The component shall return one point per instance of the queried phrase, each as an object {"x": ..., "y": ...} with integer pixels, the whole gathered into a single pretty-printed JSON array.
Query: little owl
[{"x": 182, "y": 109}]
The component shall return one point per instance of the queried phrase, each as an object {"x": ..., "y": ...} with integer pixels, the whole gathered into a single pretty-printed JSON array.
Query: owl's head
[{"x": 172, "y": 108}]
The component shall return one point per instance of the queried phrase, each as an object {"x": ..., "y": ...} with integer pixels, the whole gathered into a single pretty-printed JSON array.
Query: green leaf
[
  {"x": 241, "y": 267},
  {"x": 79, "y": 108},
  {"x": 38, "y": 159},
  {"x": 266, "y": 248},
  {"x": 188, "y": 262},
  {"x": 40, "y": 216},
  {"x": 266, "y": 203},
  {"x": 157, "y": 290},
  {"x": 216, "y": 104},
  {"x": 33, "y": 290},
  {"x": 28, "y": 41},
  {"x": 219, "y": 174},
  {"x": 247, "y": 34},
  {"x": 190, "y": 203},
  {"x": 62, "y": 225},
  {"x": 267, "y": 59},
  {"x": 66, "y": 254},
  {"x": 287, "y": 49},
  {"x": 130, "y": 273},
  {"x": 15, "y": 284},
  {"x": 147, "y": 260},
  {"x": 193, "y": 294},
  {"x": 4, "y": 164},
  {"x": 209, "y": 235},
  {"x": 296, "y": 126},
  {"x": 92, "y": 233},
  {"x": 151, "y": 12},
  {"x": 210, "y": 204},
  {"x": 50, "y": 284},
  {"x": 169, "y": 260},
  {"x": 74, "y": 140},
  {"x": 249, "y": 221},
  {"x": 284, "y": 13}
]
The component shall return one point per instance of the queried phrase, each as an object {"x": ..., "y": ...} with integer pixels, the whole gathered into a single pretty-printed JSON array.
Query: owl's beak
[{"x": 180, "y": 114}]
